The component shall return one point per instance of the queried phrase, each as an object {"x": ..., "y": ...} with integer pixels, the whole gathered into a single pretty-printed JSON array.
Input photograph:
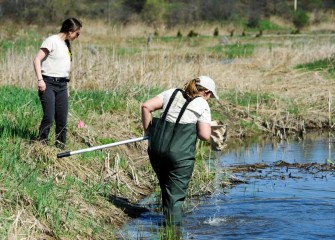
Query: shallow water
[
  {"x": 276, "y": 203},
  {"x": 313, "y": 149}
]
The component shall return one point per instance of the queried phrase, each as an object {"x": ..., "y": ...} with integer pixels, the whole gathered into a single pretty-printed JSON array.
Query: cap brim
[{"x": 214, "y": 95}]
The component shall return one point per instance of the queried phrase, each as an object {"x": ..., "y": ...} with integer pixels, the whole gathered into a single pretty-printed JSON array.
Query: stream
[{"x": 276, "y": 201}]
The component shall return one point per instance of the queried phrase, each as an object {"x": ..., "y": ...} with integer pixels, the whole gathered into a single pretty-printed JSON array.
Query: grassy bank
[
  {"x": 275, "y": 84},
  {"x": 79, "y": 196},
  {"x": 42, "y": 196}
]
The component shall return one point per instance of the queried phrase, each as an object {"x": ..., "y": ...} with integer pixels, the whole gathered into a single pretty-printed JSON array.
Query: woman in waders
[{"x": 185, "y": 117}]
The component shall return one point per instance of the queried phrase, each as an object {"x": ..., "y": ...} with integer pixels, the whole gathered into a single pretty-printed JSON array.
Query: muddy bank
[
  {"x": 311, "y": 168},
  {"x": 278, "y": 124}
]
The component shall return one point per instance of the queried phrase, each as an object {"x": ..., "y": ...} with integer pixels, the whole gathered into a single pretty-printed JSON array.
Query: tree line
[{"x": 157, "y": 12}]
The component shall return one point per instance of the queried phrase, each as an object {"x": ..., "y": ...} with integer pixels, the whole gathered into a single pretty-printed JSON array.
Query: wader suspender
[
  {"x": 181, "y": 111},
  {"x": 169, "y": 103}
]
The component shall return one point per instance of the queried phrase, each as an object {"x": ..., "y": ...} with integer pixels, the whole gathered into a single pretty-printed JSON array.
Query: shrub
[
  {"x": 216, "y": 32},
  {"x": 300, "y": 19},
  {"x": 192, "y": 34}
]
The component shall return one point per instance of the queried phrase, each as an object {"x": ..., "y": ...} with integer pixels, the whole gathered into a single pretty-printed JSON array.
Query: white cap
[{"x": 209, "y": 84}]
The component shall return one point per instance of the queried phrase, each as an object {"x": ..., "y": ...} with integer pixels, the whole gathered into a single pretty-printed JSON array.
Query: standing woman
[
  {"x": 185, "y": 117},
  {"x": 52, "y": 68}
]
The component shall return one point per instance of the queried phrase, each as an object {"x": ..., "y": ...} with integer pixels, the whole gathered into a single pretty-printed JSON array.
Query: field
[{"x": 277, "y": 84}]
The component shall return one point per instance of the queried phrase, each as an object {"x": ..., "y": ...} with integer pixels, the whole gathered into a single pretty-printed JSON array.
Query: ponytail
[
  {"x": 70, "y": 24},
  {"x": 192, "y": 89},
  {"x": 67, "y": 41}
]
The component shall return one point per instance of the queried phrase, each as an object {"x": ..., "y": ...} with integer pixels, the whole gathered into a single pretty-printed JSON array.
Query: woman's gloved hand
[{"x": 218, "y": 135}]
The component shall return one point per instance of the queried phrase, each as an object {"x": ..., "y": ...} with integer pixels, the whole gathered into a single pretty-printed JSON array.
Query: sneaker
[{"x": 60, "y": 145}]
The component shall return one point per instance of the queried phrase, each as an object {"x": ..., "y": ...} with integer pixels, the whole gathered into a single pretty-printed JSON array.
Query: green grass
[
  {"x": 30, "y": 171},
  {"x": 169, "y": 39},
  {"x": 251, "y": 126},
  {"x": 19, "y": 43},
  {"x": 25, "y": 174},
  {"x": 54, "y": 190},
  {"x": 142, "y": 93},
  {"x": 247, "y": 98},
  {"x": 20, "y": 110},
  {"x": 327, "y": 65},
  {"x": 270, "y": 26},
  {"x": 233, "y": 50},
  {"x": 99, "y": 101},
  {"x": 107, "y": 140}
]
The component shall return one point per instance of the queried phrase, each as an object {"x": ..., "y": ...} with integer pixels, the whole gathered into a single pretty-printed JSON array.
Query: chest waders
[{"x": 172, "y": 155}]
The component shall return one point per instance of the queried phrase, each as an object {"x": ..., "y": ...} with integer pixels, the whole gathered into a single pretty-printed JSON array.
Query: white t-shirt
[
  {"x": 58, "y": 62},
  {"x": 197, "y": 111}
]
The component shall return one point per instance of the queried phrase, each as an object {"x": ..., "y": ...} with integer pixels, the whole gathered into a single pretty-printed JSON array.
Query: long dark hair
[{"x": 70, "y": 25}]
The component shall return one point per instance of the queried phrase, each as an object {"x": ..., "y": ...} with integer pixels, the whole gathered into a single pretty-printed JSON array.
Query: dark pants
[{"x": 55, "y": 107}]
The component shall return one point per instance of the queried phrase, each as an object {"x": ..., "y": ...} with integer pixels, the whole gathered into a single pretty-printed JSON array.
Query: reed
[{"x": 330, "y": 101}]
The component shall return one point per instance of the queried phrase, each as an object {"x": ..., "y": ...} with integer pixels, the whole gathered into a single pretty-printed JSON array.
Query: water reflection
[{"x": 314, "y": 148}]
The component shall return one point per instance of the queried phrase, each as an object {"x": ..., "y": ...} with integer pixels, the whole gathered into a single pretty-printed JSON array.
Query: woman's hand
[
  {"x": 41, "y": 86},
  {"x": 41, "y": 54}
]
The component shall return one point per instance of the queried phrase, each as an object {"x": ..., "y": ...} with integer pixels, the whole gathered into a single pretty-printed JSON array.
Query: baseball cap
[{"x": 209, "y": 84}]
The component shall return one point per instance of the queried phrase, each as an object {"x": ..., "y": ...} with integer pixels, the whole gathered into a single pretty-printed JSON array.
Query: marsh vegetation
[{"x": 278, "y": 84}]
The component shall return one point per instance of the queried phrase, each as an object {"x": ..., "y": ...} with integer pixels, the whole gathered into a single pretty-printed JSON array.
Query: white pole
[
  {"x": 67, "y": 154},
  {"x": 295, "y": 5}
]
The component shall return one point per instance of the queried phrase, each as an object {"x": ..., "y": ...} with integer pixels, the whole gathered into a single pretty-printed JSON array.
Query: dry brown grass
[
  {"x": 97, "y": 66},
  {"x": 168, "y": 65}
]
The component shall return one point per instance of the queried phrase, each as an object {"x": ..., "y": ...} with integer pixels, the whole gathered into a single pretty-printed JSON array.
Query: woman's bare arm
[
  {"x": 204, "y": 131},
  {"x": 147, "y": 108}
]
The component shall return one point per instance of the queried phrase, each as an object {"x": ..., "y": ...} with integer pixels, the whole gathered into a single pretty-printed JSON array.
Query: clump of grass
[
  {"x": 267, "y": 25},
  {"x": 326, "y": 64},
  {"x": 216, "y": 32},
  {"x": 20, "y": 42},
  {"x": 99, "y": 101},
  {"x": 248, "y": 99},
  {"x": 234, "y": 50},
  {"x": 20, "y": 109},
  {"x": 192, "y": 33},
  {"x": 202, "y": 175}
]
